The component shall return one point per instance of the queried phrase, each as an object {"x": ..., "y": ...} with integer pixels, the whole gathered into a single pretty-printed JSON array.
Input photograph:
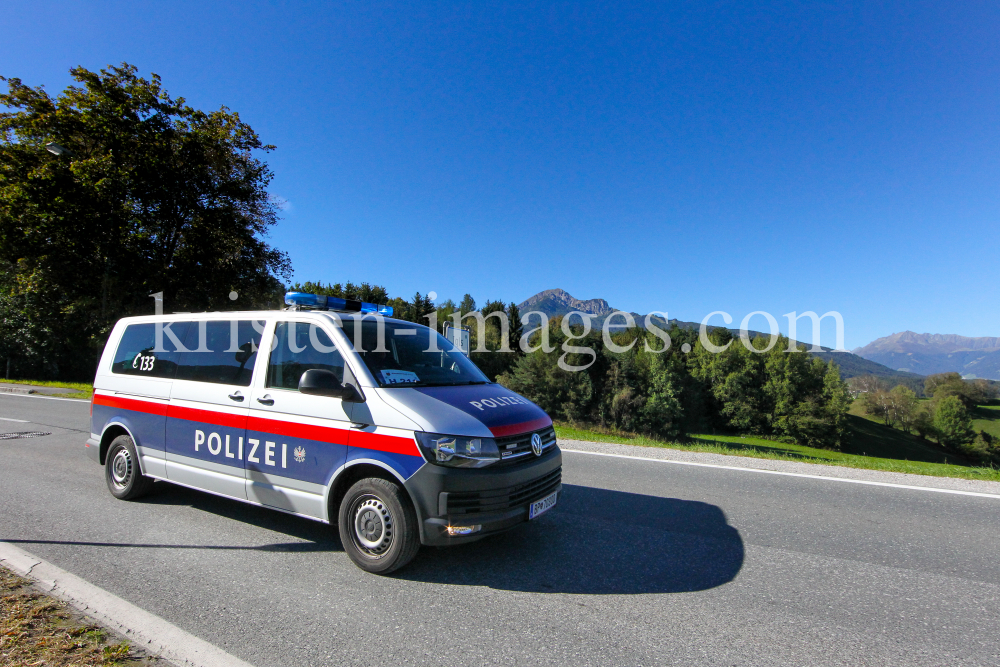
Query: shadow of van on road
[
  {"x": 597, "y": 541},
  {"x": 318, "y": 536}
]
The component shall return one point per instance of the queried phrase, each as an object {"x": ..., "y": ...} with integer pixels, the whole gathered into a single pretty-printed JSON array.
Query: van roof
[{"x": 251, "y": 314}]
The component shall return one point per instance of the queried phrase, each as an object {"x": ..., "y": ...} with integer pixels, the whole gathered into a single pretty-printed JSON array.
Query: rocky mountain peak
[{"x": 559, "y": 299}]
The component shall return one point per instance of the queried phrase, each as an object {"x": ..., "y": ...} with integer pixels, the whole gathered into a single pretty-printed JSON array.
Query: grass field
[
  {"x": 83, "y": 389},
  {"x": 873, "y": 446},
  {"x": 987, "y": 418}
]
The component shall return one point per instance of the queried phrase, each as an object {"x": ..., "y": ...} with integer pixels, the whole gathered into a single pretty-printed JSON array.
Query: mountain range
[
  {"x": 936, "y": 353},
  {"x": 558, "y": 302}
]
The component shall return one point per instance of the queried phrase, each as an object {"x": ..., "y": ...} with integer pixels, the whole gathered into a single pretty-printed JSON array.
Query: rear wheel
[
  {"x": 378, "y": 526},
  {"x": 121, "y": 470}
]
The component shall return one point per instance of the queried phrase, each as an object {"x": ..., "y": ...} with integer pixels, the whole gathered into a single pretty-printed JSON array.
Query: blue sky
[{"x": 686, "y": 157}]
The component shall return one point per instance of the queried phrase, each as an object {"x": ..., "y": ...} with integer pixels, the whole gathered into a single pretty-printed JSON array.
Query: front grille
[
  {"x": 515, "y": 449},
  {"x": 501, "y": 500}
]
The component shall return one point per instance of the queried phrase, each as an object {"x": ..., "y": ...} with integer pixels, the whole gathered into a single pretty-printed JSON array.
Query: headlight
[{"x": 457, "y": 451}]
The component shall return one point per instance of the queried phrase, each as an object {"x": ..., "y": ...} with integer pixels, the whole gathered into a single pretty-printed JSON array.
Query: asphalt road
[{"x": 641, "y": 563}]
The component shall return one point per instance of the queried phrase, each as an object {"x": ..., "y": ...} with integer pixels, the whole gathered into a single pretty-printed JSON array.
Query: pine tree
[
  {"x": 516, "y": 328},
  {"x": 838, "y": 401},
  {"x": 415, "y": 309},
  {"x": 426, "y": 308},
  {"x": 468, "y": 304}
]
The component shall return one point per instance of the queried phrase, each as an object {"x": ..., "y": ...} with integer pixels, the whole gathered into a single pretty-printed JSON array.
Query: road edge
[
  {"x": 142, "y": 628},
  {"x": 789, "y": 469}
]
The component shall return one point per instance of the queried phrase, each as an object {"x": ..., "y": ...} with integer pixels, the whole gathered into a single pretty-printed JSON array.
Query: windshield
[{"x": 406, "y": 358}]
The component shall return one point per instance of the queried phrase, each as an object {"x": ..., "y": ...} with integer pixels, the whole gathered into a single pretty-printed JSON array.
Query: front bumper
[{"x": 497, "y": 499}]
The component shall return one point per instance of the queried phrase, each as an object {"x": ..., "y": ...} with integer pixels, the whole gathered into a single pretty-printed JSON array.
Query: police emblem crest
[{"x": 299, "y": 453}]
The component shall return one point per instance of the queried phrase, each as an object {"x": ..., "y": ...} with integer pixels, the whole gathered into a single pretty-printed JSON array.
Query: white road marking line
[
  {"x": 154, "y": 634},
  {"x": 8, "y": 419},
  {"x": 793, "y": 474},
  {"x": 47, "y": 398}
]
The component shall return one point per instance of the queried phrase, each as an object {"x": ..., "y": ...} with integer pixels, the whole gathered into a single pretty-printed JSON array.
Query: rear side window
[
  {"x": 221, "y": 352},
  {"x": 297, "y": 348},
  {"x": 138, "y": 353}
]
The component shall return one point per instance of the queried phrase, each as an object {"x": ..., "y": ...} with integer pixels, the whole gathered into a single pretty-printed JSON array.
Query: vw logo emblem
[{"x": 536, "y": 444}]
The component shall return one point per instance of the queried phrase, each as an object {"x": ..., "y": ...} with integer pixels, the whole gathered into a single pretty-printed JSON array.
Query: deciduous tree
[
  {"x": 147, "y": 195},
  {"x": 904, "y": 406},
  {"x": 953, "y": 423}
]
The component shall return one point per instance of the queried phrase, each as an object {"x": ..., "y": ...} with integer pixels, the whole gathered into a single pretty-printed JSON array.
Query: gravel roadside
[
  {"x": 13, "y": 388},
  {"x": 840, "y": 472}
]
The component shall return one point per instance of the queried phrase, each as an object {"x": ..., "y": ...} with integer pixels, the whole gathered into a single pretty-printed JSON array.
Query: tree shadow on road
[{"x": 597, "y": 541}]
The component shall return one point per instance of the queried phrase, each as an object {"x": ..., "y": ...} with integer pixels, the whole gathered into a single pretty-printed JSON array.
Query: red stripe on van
[
  {"x": 384, "y": 443},
  {"x": 149, "y": 407},
  {"x": 336, "y": 436},
  {"x": 207, "y": 416},
  {"x": 523, "y": 427}
]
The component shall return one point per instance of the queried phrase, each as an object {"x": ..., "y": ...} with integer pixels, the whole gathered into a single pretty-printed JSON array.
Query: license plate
[{"x": 542, "y": 506}]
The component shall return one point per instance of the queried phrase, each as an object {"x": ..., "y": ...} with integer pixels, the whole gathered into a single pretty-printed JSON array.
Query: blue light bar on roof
[
  {"x": 319, "y": 302},
  {"x": 307, "y": 300}
]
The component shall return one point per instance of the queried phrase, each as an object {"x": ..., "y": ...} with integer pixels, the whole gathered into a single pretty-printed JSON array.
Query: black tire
[
  {"x": 378, "y": 526},
  {"x": 121, "y": 470}
]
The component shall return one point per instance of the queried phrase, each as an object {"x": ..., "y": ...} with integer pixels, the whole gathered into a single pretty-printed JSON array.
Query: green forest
[
  {"x": 669, "y": 394},
  {"x": 647, "y": 388}
]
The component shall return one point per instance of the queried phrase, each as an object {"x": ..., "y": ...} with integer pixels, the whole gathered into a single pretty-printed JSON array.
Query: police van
[{"x": 330, "y": 410}]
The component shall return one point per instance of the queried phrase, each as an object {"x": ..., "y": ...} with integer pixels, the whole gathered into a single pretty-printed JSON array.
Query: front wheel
[
  {"x": 378, "y": 526},
  {"x": 121, "y": 470}
]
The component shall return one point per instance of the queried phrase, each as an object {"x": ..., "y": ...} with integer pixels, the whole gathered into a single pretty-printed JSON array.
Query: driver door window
[{"x": 297, "y": 348}]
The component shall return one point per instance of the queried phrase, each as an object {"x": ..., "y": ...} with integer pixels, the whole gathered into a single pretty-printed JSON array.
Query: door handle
[
  {"x": 266, "y": 400},
  {"x": 237, "y": 397},
  {"x": 359, "y": 425}
]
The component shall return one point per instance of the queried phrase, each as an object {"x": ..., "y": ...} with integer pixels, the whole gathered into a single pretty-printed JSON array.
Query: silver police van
[{"x": 330, "y": 410}]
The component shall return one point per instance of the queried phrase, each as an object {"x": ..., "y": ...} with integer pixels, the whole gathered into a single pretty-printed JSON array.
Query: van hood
[{"x": 488, "y": 410}]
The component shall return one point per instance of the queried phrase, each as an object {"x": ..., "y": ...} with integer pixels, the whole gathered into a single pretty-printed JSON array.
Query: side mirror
[
  {"x": 321, "y": 382},
  {"x": 246, "y": 351}
]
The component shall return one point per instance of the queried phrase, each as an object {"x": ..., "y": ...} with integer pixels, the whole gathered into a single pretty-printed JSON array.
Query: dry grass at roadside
[{"x": 37, "y": 630}]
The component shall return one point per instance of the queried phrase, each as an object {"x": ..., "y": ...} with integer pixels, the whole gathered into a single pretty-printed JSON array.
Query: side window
[
  {"x": 138, "y": 353},
  {"x": 220, "y": 351},
  {"x": 297, "y": 348}
]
